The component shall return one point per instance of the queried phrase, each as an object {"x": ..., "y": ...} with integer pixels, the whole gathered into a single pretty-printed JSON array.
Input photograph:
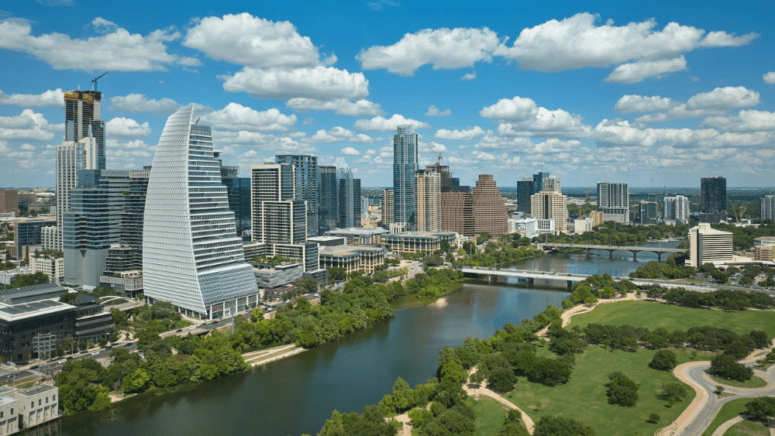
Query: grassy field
[
  {"x": 489, "y": 416},
  {"x": 748, "y": 428},
  {"x": 727, "y": 412},
  {"x": 754, "y": 382},
  {"x": 584, "y": 399},
  {"x": 652, "y": 315}
]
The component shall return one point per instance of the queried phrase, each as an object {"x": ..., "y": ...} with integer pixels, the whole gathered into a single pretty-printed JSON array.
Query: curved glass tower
[{"x": 192, "y": 256}]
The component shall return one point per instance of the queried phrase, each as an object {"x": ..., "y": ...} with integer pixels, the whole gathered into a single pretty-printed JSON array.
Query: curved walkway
[
  {"x": 483, "y": 391},
  {"x": 726, "y": 426},
  {"x": 583, "y": 308}
]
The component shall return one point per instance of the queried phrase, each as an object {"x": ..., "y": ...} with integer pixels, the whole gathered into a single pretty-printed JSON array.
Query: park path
[
  {"x": 262, "y": 357},
  {"x": 726, "y": 426},
  {"x": 482, "y": 391},
  {"x": 698, "y": 403},
  {"x": 582, "y": 308}
]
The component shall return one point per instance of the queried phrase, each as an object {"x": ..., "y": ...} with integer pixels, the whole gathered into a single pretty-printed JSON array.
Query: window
[
  {"x": 39, "y": 401},
  {"x": 32, "y": 404},
  {"x": 54, "y": 398},
  {"x": 46, "y": 400},
  {"x": 1, "y": 415},
  {"x": 11, "y": 411}
]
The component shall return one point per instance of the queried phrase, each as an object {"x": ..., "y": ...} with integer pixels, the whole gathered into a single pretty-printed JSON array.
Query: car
[
  {"x": 178, "y": 330},
  {"x": 95, "y": 353},
  {"x": 62, "y": 362},
  {"x": 109, "y": 347}
]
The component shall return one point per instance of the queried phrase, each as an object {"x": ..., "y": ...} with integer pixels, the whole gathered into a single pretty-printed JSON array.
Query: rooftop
[
  {"x": 357, "y": 231},
  {"x": 29, "y": 310},
  {"x": 345, "y": 250},
  {"x": 420, "y": 235},
  {"x": 44, "y": 287},
  {"x": 37, "y": 389}
]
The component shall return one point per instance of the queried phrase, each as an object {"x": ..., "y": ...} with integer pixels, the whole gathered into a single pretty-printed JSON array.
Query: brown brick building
[
  {"x": 9, "y": 201},
  {"x": 490, "y": 212}
]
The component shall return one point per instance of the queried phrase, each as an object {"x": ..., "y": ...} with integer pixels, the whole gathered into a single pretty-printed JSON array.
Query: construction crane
[
  {"x": 94, "y": 80},
  {"x": 438, "y": 157},
  {"x": 586, "y": 197}
]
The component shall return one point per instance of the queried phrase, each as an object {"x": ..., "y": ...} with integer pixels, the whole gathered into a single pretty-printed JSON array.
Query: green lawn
[
  {"x": 748, "y": 428},
  {"x": 727, "y": 412},
  {"x": 584, "y": 399},
  {"x": 489, "y": 416},
  {"x": 652, "y": 315},
  {"x": 753, "y": 382}
]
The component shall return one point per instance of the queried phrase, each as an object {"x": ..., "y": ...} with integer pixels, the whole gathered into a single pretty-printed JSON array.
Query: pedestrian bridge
[
  {"x": 530, "y": 276},
  {"x": 611, "y": 248}
]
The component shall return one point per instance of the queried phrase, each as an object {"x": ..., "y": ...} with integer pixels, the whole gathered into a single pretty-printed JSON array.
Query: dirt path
[
  {"x": 758, "y": 354},
  {"x": 726, "y": 426},
  {"x": 482, "y": 391},
  {"x": 575, "y": 310},
  {"x": 697, "y": 404}
]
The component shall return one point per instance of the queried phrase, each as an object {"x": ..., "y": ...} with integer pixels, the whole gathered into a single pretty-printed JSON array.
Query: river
[{"x": 296, "y": 395}]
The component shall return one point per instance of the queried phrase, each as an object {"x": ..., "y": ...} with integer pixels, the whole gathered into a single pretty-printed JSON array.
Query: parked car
[{"x": 62, "y": 362}]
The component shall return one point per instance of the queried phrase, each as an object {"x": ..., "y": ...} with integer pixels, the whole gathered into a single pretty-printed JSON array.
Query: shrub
[{"x": 663, "y": 360}]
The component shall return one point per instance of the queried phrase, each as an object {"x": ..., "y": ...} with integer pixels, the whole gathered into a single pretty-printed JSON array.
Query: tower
[
  {"x": 305, "y": 170},
  {"x": 278, "y": 216},
  {"x": 404, "y": 167}
]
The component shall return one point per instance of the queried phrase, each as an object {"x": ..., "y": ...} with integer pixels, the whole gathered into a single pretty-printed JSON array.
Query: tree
[
  {"x": 664, "y": 360},
  {"x": 672, "y": 393},
  {"x": 337, "y": 273},
  {"x": 502, "y": 380},
  {"x": 621, "y": 390},
  {"x": 512, "y": 425},
  {"x": 653, "y": 418},
  {"x": 256, "y": 315},
  {"x": 561, "y": 426},
  {"x": 476, "y": 378},
  {"x": 761, "y": 408},
  {"x": 68, "y": 297},
  {"x": 549, "y": 372},
  {"x": 725, "y": 366}
]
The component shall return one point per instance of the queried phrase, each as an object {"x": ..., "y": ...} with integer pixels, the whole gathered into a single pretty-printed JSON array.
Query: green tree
[
  {"x": 256, "y": 315},
  {"x": 136, "y": 382},
  {"x": 672, "y": 393},
  {"x": 502, "y": 380},
  {"x": 653, "y": 418},
  {"x": 664, "y": 360},
  {"x": 621, "y": 390},
  {"x": 512, "y": 425},
  {"x": 561, "y": 426},
  {"x": 725, "y": 366},
  {"x": 761, "y": 408}
]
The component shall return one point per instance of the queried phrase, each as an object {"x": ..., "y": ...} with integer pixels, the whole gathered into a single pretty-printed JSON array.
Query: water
[{"x": 296, "y": 395}]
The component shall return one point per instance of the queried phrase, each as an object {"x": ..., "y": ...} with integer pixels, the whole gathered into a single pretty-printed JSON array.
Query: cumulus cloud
[
  {"x": 716, "y": 102},
  {"x": 619, "y": 133},
  {"x": 262, "y": 141},
  {"x": 638, "y": 71},
  {"x": 521, "y": 116},
  {"x": 639, "y": 103},
  {"x": 340, "y": 106},
  {"x": 243, "y": 39},
  {"x": 321, "y": 83},
  {"x": 469, "y": 76},
  {"x": 382, "y": 124},
  {"x": 433, "y": 111},
  {"x": 126, "y": 128},
  {"x": 238, "y": 117},
  {"x": 769, "y": 77},
  {"x": 724, "y": 39},
  {"x": 745, "y": 121},
  {"x": 48, "y": 98},
  {"x": 340, "y": 134},
  {"x": 115, "y": 50},
  {"x": 443, "y": 48},
  {"x": 138, "y": 103},
  {"x": 380, "y": 4},
  {"x": 459, "y": 135},
  {"x": 349, "y": 151},
  {"x": 27, "y": 126}
]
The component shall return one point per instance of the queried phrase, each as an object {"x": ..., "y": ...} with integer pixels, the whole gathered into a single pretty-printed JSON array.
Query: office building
[
  {"x": 192, "y": 256},
  {"x": 352, "y": 257},
  {"x": 360, "y": 235},
  {"x": 271, "y": 276},
  {"x": 348, "y": 196},
  {"x": 52, "y": 265},
  {"x": 306, "y": 179},
  {"x": 526, "y": 227},
  {"x": 764, "y": 254},
  {"x": 9, "y": 201},
  {"x": 404, "y": 168},
  {"x": 550, "y": 204},
  {"x": 768, "y": 208},
  {"x": 71, "y": 157},
  {"x": 708, "y": 245},
  {"x": 583, "y": 225},
  {"x": 538, "y": 181},
  {"x": 490, "y": 211},
  {"x": 613, "y": 199},
  {"x": 27, "y": 233},
  {"x": 387, "y": 208},
  {"x": 457, "y": 211},
  {"x": 27, "y": 408},
  {"x": 329, "y": 199},
  {"x": 713, "y": 199},
  {"x": 82, "y": 120},
  {"x": 238, "y": 193},
  {"x": 524, "y": 192},
  {"x": 412, "y": 242},
  {"x": 764, "y": 241},
  {"x": 647, "y": 213},
  {"x": 278, "y": 218},
  {"x": 427, "y": 195},
  {"x": 676, "y": 209},
  {"x": 306, "y": 252}
]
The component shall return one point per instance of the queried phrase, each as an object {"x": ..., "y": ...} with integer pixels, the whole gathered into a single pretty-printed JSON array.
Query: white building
[
  {"x": 49, "y": 238},
  {"x": 546, "y": 226},
  {"x": 708, "y": 245},
  {"x": 583, "y": 225},
  {"x": 768, "y": 207},
  {"x": 526, "y": 227},
  {"x": 550, "y": 204},
  {"x": 53, "y": 267},
  {"x": 676, "y": 209},
  {"x": 192, "y": 256},
  {"x": 70, "y": 158},
  {"x": 613, "y": 199},
  {"x": 764, "y": 241}
]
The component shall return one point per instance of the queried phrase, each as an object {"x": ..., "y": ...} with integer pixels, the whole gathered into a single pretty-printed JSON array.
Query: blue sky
[{"x": 652, "y": 94}]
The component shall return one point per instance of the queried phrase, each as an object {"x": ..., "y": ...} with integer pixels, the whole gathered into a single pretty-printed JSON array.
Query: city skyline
[{"x": 670, "y": 96}]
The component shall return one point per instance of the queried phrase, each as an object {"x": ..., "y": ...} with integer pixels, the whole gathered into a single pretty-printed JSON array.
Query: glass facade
[
  {"x": 328, "y": 199},
  {"x": 305, "y": 170},
  {"x": 404, "y": 167}
]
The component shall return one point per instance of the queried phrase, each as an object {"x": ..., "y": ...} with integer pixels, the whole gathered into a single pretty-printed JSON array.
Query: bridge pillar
[
  {"x": 659, "y": 256},
  {"x": 634, "y": 255},
  {"x": 610, "y": 253},
  {"x": 569, "y": 284}
]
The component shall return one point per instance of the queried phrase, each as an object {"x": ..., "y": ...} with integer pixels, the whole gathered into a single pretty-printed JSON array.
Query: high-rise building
[
  {"x": 613, "y": 199},
  {"x": 329, "y": 199},
  {"x": 92, "y": 224},
  {"x": 387, "y": 208},
  {"x": 404, "y": 167},
  {"x": 306, "y": 181},
  {"x": 72, "y": 157},
  {"x": 490, "y": 212},
  {"x": 524, "y": 192},
  {"x": 27, "y": 233},
  {"x": 538, "y": 181},
  {"x": 349, "y": 196},
  {"x": 427, "y": 195},
  {"x": 713, "y": 193},
  {"x": 82, "y": 120},
  {"x": 647, "y": 213},
  {"x": 768, "y": 208},
  {"x": 550, "y": 204},
  {"x": 278, "y": 217},
  {"x": 708, "y": 245},
  {"x": 9, "y": 201},
  {"x": 676, "y": 209},
  {"x": 238, "y": 191},
  {"x": 192, "y": 256}
]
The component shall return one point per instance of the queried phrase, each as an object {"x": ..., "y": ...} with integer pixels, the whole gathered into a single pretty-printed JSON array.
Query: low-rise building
[
  {"x": 51, "y": 265},
  {"x": 527, "y": 227},
  {"x": 129, "y": 283},
  {"x": 764, "y": 241},
  {"x": 546, "y": 226},
  {"x": 764, "y": 253},
  {"x": 92, "y": 322},
  {"x": 9, "y": 411},
  {"x": 38, "y": 404},
  {"x": 270, "y": 276},
  {"x": 359, "y": 235},
  {"x": 597, "y": 218},
  {"x": 352, "y": 257},
  {"x": 583, "y": 225},
  {"x": 328, "y": 241},
  {"x": 412, "y": 242}
]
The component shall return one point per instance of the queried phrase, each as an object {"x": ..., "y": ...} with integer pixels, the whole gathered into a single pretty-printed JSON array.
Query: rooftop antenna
[{"x": 94, "y": 80}]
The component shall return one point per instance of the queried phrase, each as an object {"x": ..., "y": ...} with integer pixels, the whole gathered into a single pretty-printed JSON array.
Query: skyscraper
[
  {"x": 550, "y": 204},
  {"x": 404, "y": 167},
  {"x": 192, "y": 256},
  {"x": 328, "y": 199},
  {"x": 538, "y": 181},
  {"x": 349, "y": 196},
  {"x": 238, "y": 192},
  {"x": 768, "y": 208},
  {"x": 306, "y": 180},
  {"x": 713, "y": 199},
  {"x": 387, "y": 208},
  {"x": 82, "y": 120},
  {"x": 676, "y": 209},
  {"x": 647, "y": 213},
  {"x": 427, "y": 195},
  {"x": 613, "y": 199},
  {"x": 278, "y": 217},
  {"x": 490, "y": 212},
  {"x": 524, "y": 192},
  {"x": 72, "y": 157}
]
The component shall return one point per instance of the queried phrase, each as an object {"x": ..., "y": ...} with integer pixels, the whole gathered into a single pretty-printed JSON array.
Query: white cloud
[
  {"x": 433, "y": 111},
  {"x": 238, "y": 117},
  {"x": 459, "y": 135},
  {"x": 469, "y": 76},
  {"x": 349, "y": 151},
  {"x": 769, "y": 77},
  {"x": 724, "y": 39},
  {"x": 128, "y": 153},
  {"x": 187, "y": 61},
  {"x": 137, "y": 103},
  {"x": 48, "y": 98},
  {"x": 117, "y": 50},
  {"x": 322, "y": 83},
  {"x": 243, "y": 39},
  {"x": 639, "y": 103},
  {"x": 437, "y": 147},
  {"x": 444, "y": 48},
  {"x": 638, "y": 71},
  {"x": 340, "y": 106},
  {"x": 27, "y": 126},
  {"x": 715, "y": 102},
  {"x": 619, "y": 133},
  {"x": 379, "y": 4},
  {"x": 309, "y": 121},
  {"x": 522, "y": 117},
  {"x": 126, "y": 128},
  {"x": 745, "y": 121},
  {"x": 262, "y": 141},
  {"x": 340, "y": 134},
  {"x": 382, "y": 124}
]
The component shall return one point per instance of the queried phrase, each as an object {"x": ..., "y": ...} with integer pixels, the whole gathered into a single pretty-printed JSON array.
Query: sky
[{"x": 657, "y": 93}]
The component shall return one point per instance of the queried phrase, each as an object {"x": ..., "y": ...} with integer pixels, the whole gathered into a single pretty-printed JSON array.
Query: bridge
[{"x": 611, "y": 248}]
